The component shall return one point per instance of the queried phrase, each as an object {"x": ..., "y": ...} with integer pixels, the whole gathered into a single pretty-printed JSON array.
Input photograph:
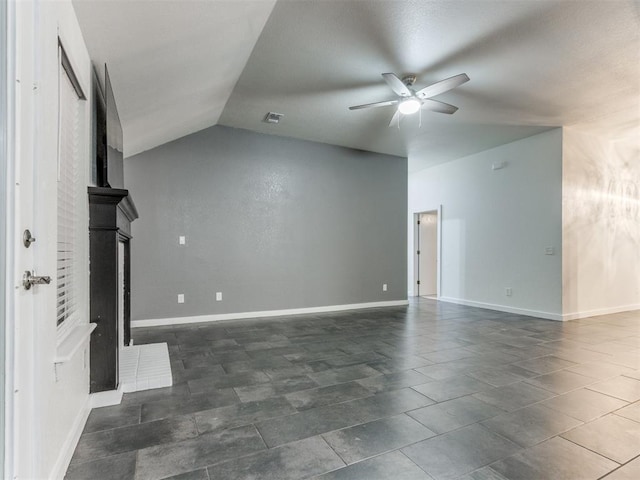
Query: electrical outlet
[
  {"x": 508, "y": 292},
  {"x": 548, "y": 251},
  {"x": 218, "y": 296},
  {"x": 181, "y": 298},
  {"x": 182, "y": 240},
  {"x": 384, "y": 287}
]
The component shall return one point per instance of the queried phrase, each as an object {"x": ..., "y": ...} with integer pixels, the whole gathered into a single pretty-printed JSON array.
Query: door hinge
[
  {"x": 418, "y": 252},
  {"x": 418, "y": 282},
  {"x": 418, "y": 222}
]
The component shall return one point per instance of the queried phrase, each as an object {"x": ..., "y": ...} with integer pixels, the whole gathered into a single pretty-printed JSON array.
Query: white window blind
[{"x": 70, "y": 206}]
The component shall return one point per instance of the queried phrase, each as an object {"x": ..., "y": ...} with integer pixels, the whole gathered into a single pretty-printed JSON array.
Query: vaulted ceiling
[{"x": 180, "y": 66}]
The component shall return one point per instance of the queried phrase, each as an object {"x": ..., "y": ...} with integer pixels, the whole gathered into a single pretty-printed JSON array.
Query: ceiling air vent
[{"x": 273, "y": 117}]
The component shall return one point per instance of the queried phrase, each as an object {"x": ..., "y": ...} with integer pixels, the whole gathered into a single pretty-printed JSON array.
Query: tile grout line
[
  {"x": 334, "y": 451},
  {"x": 619, "y": 467},
  {"x": 255, "y": 426},
  {"x": 592, "y": 451}
]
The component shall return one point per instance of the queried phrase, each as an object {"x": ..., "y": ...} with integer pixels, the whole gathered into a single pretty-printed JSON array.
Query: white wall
[
  {"x": 55, "y": 395},
  {"x": 496, "y": 225},
  {"x": 601, "y": 224}
]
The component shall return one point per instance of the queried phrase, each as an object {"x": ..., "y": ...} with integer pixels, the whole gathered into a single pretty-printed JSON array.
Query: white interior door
[
  {"x": 26, "y": 305},
  {"x": 41, "y": 388}
]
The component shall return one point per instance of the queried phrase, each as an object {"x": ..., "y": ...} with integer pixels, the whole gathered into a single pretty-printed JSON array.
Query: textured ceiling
[
  {"x": 172, "y": 63},
  {"x": 533, "y": 65}
]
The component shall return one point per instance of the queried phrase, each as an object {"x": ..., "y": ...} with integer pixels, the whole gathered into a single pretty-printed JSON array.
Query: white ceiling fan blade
[
  {"x": 376, "y": 104},
  {"x": 442, "y": 86},
  {"x": 395, "y": 120},
  {"x": 396, "y": 84},
  {"x": 436, "y": 106}
]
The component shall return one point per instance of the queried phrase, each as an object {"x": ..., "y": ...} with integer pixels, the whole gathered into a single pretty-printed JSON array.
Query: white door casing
[
  {"x": 4, "y": 116},
  {"x": 437, "y": 259}
]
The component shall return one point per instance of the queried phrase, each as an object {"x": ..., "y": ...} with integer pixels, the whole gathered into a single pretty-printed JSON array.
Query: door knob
[{"x": 28, "y": 279}]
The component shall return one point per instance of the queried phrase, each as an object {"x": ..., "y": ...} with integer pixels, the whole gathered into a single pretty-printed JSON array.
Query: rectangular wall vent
[{"x": 273, "y": 117}]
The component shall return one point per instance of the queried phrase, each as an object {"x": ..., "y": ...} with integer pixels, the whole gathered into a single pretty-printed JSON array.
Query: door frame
[
  {"x": 4, "y": 237},
  {"x": 416, "y": 246},
  {"x": 7, "y": 229}
]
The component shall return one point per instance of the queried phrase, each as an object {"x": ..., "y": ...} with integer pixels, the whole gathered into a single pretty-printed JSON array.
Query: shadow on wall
[
  {"x": 604, "y": 188},
  {"x": 601, "y": 227}
]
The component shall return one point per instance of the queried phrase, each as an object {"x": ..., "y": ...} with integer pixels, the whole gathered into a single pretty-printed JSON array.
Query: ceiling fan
[{"x": 411, "y": 101}]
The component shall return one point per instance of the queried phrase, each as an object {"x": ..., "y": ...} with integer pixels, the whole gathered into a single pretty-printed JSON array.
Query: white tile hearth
[{"x": 143, "y": 367}]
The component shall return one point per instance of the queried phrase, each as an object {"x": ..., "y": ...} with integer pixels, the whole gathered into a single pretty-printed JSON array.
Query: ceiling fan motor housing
[{"x": 409, "y": 80}]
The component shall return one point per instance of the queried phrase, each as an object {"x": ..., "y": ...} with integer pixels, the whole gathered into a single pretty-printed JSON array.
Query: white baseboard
[
  {"x": 600, "y": 311},
  {"x": 155, "y": 322},
  {"x": 69, "y": 446},
  {"x": 504, "y": 308},
  {"x": 107, "y": 398}
]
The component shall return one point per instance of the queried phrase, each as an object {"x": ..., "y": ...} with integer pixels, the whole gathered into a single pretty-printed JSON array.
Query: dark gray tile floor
[{"x": 428, "y": 391}]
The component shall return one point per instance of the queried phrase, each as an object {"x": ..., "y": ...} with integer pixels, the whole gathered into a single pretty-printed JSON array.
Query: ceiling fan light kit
[
  {"x": 409, "y": 106},
  {"x": 411, "y": 101}
]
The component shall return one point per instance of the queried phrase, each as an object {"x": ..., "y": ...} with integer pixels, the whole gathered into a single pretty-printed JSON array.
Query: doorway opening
[{"x": 427, "y": 233}]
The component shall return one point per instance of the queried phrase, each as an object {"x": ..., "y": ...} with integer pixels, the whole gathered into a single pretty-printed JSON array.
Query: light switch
[
  {"x": 181, "y": 298},
  {"x": 182, "y": 240},
  {"x": 218, "y": 296}
]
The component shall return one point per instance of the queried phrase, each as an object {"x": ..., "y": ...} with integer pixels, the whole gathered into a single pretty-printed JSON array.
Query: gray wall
[{"x": 272, "y": 223}]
